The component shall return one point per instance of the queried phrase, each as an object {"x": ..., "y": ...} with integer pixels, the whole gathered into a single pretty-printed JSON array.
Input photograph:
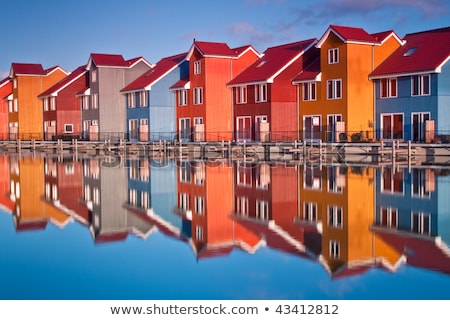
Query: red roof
[
  {"x": 111, "y": 237},
  {"x": 64, "y": 82},
  {"x": 151, "y": 76},
  {"x": 180, "y": 84},
  {"x": 4, "y": 81},
  {"x": 109, "y": 60},
  {"x": 213, "y": 49},
  {"x": 353, "y": 34},
  {"x": 27, "y": 69},
  {"x": 310, "y": 73},
  {"x": 240, "y": 50},
  {"x": 422, "y": 52},
  {"x": 274, "y": 61}
]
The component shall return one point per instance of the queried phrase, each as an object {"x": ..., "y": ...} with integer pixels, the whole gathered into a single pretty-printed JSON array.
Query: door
[
  {"x": 133, "y": 129},
  {"x": 312, "y": 127},
  {"x": 392, "y": 126},
  {"x": 331, "y": 126},
  {"x": 243, "y": 128},
  {"x": 185, "y": 129},
  {"x": 418, "y": 126}
]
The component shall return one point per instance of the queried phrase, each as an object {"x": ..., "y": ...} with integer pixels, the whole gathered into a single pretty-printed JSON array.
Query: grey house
[{"x": 103, "y": 113}]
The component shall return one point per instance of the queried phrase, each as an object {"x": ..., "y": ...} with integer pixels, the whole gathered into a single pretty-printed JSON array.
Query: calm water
[{"x": 86, "y": 228}]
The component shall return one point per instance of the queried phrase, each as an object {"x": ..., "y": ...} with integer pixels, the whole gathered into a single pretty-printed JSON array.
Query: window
[
  {"x": 388, "y": 88},
  {"x": 241, "y": 94},
  {"x": 68, "y": 128},
  {"x": 96, "y": 196},
  {"x": 198, "y": 95},
  {"x": 15, "y": 83},
  {"x": 261, "y": 92},
  {"x": 421, "y": 223},
  {"x": 309, "y": 91},
  {"x": 16, "y": 105},
  {"x": 94, "y": 75},
  {"x": 310, "y": 211},
  {"x": 84, "y": 100},
  {"x": 392, "y": 181},
  {"x": 10, "y": 106},
  {"x": 143, "y": 121},
  {"x": 199, "y": 233},
  {"x": 53, "y": 103},
  {"x": 185, "y": 172},
  {"x": 312, "y": 178},
  {"x": 145, "y": 200},
  {"x": 184, "y": 201},
  {"x": 334, "y": 89},
  {"x": 335, "y": 216},
  {"x": 54, "y": 192},
  {"x": 244, "y": 176},
  {"x": 131, "y": 98},
  {"x": 335, "y": 180},
  {"x": 262, "y": 210},
  {"x": 143, "y": 98},
  {"x": 197, "y": 67},
  {"x": 199, "y": 205},
  {"x": 94, "y": 102},
  {"x": 420, "y": 85},
  {"x": 388, "y": 217},
  {"x": 133, "y": 196},
  {"x": 422, "y": 182},
  {"x": 333, "y": 56},
  {"x": 334, "y": 249},
  {"x": 242, "y": 206},
  {"x": 45, "y": 102},
  {"x": 182, "y": 97},
  {"x": 134, "y": 170}
]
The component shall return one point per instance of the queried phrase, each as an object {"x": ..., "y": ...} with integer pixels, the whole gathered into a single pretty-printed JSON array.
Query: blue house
[
  {"x": 149, "y": 103},
  {"x": 412, "y": 89},
  {"x": 412, "y": 215}
]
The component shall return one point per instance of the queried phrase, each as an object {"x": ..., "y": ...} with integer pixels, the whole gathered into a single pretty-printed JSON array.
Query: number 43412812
[{"x": 307, "y": 309}]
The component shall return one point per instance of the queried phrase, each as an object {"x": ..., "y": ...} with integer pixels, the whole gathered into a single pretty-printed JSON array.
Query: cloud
[
  {"x": 321, "y": 12},
  {"x": 249, "y": 32}
]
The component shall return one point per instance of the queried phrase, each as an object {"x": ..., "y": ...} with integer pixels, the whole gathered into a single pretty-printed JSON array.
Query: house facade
[
  {"x": 61, "y": 107},
  {"x": 25, "y": 119},
  {"x": 5, "y": 103},
  {"x": 264, "y": 99},
  {"x": 335, "y": 95},
  {"x": 104, "y": 117},
  {"x": 203, "y": 102},
  {"x": 149, "y": 102},
  {"x": 412, "y": 89}
]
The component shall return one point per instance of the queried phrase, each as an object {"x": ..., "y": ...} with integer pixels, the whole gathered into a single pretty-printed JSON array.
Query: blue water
[{"x": 66, "y": 263}]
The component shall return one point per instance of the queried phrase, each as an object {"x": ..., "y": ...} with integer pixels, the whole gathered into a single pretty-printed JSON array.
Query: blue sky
[{"x": 64, "y": 33}]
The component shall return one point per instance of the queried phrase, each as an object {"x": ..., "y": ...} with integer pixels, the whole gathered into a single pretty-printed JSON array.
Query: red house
[
  {"x": 203, "y": 102},
  {"x": 5, "y": 93},
  {"x": 264, "y": 103},
  {"x": 61, "y": 106}
]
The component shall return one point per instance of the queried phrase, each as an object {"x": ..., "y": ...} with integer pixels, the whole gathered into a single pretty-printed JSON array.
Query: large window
[
  {"x": 420, "y": 85},
  {"x": 334, "y": 89},
  {"x": 198, "y": 95},
  {"x": 261, "y": 92},
  {"x": 388, "y": 88},
  {"x": 309, "y": 91}
]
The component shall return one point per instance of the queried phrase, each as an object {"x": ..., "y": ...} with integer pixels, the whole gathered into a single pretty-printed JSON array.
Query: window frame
[
  {"x": 333, "y": 56},
  {"x": 334, "y": 91}
]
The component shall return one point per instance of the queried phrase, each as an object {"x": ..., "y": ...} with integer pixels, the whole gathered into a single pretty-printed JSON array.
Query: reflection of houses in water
[
  {"x": 5, "y": 202},
  {"x": 205, "y": 201},
  {"x": 26, "y": 190},
  {"x": 412, "y": 216},
  {"x": 104, "y": 193},
  {"x": 152, "y": 195},
  {"x": 266, "y": 203}
]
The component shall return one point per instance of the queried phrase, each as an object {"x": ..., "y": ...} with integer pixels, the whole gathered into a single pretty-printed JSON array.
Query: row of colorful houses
[
  {"x": 401, "y": 215},
  {"x": 346, "y": 85}
]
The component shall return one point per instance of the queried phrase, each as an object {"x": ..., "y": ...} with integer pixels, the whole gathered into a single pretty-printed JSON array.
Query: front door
[
  {"x": 185, "y": 129},
  {"x": 331, "y": 126},
  {"x": 312, "y": 127},
  {"x": 392, "y": 126},
  {"x": 133, "y": 129}
]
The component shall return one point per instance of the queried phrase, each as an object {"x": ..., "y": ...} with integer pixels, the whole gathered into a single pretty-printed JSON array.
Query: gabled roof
[
  {"x": 150, "y": 77},
  {"x": 348, "y": 35},
  {"x": 5, "y": 81},
  {"x": 113, "y": 60},
  {"x": 55, "y": 89},
  {"x": 239, "y": 51},
  {"x": 274, "y": 61},
  {"x": 423, "y": 52},
  {"x": 181, "y": 84},
  {"x": 27, "y": 69},
  {"x": 310, "y": 73}
]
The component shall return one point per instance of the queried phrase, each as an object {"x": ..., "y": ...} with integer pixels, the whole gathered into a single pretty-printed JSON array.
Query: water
[{"x": 87, "y": 228}]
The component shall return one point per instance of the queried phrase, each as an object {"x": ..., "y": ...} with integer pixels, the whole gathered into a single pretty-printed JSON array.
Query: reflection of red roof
[
  {"x": 273, "y": 62},
  {"x": 215, "y": 251},
  {"x": 29, "y": 225},
  {"x": 151, "y": 76},
  {"x": 420, "y": 251},
  {"x": 423, "y": 52},
  {"x": 111, "y": 237},
  {"x": 347, "y": 271},
  {"x": 7, "y": 203}
]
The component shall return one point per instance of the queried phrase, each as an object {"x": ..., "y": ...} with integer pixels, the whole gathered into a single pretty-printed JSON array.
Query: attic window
[
  {"x": 261, "y": 63},
  {"x": 410, "y": 52}
]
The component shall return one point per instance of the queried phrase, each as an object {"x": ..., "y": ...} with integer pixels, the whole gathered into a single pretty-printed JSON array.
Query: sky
[{"x": 65, "y": 33}]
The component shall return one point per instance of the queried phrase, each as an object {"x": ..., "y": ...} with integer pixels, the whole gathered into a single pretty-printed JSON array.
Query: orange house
[
  {"x": 335, "y": 95},
  {"x": 203, "y": 102},
  {"x": 25, "y": 119},
  {"x": 5, "y": 95}
]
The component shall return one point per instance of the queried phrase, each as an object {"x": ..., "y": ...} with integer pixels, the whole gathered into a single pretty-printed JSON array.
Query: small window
[
  {"x": 94, "y": 75},
  {"x": 309, "y": 91},
  {"x": 333, "y": 56},
  {"x": 334, "y": 89},
  {"x": 410, "y": 52},
  {"x": 197, "y": 67},
  {"x": 388, "y": 88},
  {"x": 144, "y": 121},
  {"x": 261, "y": 92},
  {"x": 143, "y": 98},
  {"x": 198, "y": 95},
  {"x": 241, "y": 94},
  {"x": 182, "y": 97},
  {"x": 131, "y": 98},
  {"x": 334, "y": 249},
  {"x": 68, "y": 128},
  {"x": 420, "y": 85}
]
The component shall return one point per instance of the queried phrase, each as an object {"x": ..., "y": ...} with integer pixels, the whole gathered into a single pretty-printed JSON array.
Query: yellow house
[
  {"x": 335, "y": 95},
  {"x": 25, "y": 115}
]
